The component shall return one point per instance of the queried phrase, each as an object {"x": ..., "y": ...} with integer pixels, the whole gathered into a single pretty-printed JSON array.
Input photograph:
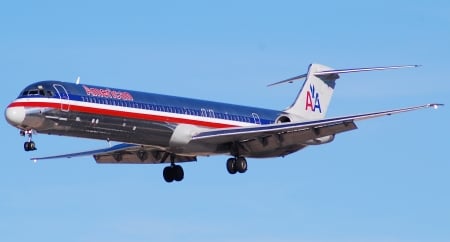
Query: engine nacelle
[
  {"x": 320, "y": 140},
  {"x": 287, "y": 118}
]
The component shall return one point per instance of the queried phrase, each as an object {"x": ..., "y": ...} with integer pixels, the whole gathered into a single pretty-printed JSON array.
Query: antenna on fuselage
[{"x": 78, "y": 80}]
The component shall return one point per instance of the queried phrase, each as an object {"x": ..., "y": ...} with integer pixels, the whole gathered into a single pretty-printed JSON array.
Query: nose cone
[{"x": 15, "y": 115}]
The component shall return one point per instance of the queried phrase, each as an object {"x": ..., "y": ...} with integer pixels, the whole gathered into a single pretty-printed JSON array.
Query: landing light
[{"x": 40, "y": 87}]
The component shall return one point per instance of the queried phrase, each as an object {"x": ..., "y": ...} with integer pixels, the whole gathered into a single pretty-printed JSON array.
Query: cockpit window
[
  {"x": 34, "y": 92},
  {"x": 39, "y": 90}
]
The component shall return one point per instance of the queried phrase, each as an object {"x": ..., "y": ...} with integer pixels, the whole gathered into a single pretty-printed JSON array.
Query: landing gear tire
[
  {"x": 231, "y": 166},
  {"x": 178, "y": 173},
  {"x": 173, "y": 173},
  {"x": 241, "y": 165},
  {"x": 168, "y": 174},
  {"x": 235, "y": 165},
  {"x": 29, "y": 146}
]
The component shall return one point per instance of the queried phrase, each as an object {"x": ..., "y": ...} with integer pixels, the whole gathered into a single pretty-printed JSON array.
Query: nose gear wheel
[{"x": 28, "y": 145}]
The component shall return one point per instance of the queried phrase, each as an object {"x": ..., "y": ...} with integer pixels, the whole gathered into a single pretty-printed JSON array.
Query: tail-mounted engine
[{"x": 288, "y": 118}]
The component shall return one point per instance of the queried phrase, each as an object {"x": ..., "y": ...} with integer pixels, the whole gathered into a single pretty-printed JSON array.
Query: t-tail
[{"x": 314, "y": 97}]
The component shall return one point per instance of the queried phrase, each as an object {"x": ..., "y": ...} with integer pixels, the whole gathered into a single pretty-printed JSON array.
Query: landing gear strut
[
  {"x": 173, "y": 173},
  {"x": 238, "y": 164},
  {"x": 28, "y": 145}
]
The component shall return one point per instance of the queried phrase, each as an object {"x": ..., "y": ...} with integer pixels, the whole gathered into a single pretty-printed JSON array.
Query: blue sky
[{"x": 387, "y": 181}]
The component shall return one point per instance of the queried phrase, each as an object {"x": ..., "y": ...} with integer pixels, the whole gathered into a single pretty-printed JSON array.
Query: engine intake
[
  {"x": 287, "y": 118},
  {"x": 283, "y": 119}
]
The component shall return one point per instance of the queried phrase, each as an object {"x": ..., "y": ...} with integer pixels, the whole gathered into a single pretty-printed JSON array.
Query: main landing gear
[
  {"x": 173, "y": 173},
  {"x": 237, "y": 164},
  {"x": 28, "y": 145}
]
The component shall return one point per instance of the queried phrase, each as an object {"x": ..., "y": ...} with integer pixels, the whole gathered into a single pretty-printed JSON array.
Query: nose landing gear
[{"x": 28, "y": 145}]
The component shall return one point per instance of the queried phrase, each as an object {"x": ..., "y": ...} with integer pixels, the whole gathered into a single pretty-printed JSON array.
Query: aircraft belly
[{"x": 105, "y": 127}]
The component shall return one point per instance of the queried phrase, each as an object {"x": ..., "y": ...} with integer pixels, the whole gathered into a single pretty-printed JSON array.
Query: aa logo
[{"x": 312, "y": 100}]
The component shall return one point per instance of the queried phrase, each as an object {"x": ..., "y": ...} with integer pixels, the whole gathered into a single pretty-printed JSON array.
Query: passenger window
[
  {"x": 211, "y": 113},
  {"x": 204, "y": 112}
]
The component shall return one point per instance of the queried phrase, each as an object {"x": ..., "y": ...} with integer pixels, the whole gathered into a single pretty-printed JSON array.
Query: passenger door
[{"x": 64, "y": 97}]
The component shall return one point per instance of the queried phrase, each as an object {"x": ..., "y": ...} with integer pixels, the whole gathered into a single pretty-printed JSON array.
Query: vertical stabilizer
[{"x": 314, "y": 97}]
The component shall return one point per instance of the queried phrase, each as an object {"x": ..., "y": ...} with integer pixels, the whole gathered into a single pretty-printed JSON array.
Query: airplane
[{"x": 154, "y": 128}]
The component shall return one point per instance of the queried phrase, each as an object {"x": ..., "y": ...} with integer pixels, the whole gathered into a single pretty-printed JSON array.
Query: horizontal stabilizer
[
  {"x": 324, "y": 73},
  {"x": 342, "y": 71},
  {"x": 290, "y": 80}
]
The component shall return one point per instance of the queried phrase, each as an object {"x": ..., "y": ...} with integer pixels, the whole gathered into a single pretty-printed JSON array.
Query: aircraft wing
[
  {"x": 300, "y": 131},
  {"x": 126, "y": 153}
]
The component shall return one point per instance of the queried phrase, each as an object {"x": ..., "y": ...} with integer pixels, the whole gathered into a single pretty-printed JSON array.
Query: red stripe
[{"x": 122, "y": 114}]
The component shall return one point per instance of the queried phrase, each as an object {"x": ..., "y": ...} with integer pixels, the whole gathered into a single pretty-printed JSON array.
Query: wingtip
[
  {"x": 435, "y": 105},
  {"x": 407, "y": 66}
]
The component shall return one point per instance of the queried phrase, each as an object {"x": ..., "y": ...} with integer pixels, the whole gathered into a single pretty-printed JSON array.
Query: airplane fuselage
[{"x": 79, "y": 110}]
